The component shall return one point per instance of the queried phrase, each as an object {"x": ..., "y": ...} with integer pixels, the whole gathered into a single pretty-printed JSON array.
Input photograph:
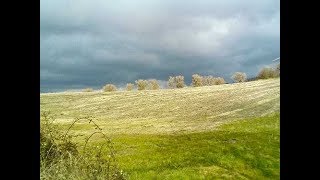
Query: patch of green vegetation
[
  {"x": 60, "y": 157},
  {"x": 244, "y": 149}
]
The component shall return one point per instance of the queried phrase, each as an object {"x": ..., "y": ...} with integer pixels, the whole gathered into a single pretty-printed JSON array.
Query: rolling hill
[{"x": 228, "y": 131}]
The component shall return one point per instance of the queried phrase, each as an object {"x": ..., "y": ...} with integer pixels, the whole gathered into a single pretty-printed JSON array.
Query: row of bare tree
[{"x": 197, "y": 80}]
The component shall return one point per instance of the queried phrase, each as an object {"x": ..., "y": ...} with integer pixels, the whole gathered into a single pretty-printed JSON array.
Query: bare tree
[
  {"x": 267, "y": 72},
  {"x": 109, "y": 88},
  {"x": 176, "y": 82},
  {"x": 239, "y": 77},
  {"x": 171, "y": 82},
  {"x": 218, "y": 81},
  {"x": 141, "y": 84},
  {"x": 196, "y": 80},
  {"x": 129, "y": 86},
  {"x": 179, "y": 81},
  {"x": 153, "y": 84}
]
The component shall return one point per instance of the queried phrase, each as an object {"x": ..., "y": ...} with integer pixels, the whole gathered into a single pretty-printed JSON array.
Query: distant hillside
[{"x": 167, "y": 110}]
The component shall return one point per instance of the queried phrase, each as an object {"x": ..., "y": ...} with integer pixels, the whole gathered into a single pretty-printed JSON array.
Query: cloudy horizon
[{"x": 89, "y": 43}]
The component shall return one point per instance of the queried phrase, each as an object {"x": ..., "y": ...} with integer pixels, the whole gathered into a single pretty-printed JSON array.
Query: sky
[{"x": 90, "y": 43}]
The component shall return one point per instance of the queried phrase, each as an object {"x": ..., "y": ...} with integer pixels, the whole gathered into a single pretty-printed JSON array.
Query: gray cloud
[{"x": 94, "y": 42}]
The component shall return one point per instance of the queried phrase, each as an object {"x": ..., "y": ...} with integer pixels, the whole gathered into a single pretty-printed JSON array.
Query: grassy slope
[
  {"x": 167, "y": 111},
  {"x": 177, "y": 133},
  {"x": 247, "y": 149}
]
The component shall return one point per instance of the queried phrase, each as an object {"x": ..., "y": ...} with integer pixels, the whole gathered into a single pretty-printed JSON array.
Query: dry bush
[
  {"x": 60, "y": 157},
  {"x": 141, "y": 84},
  {"x": 218, "y": 81},
  {"x": 266, "y": 73},
  {"x": 109, "y": 88},
  {"x": 153, "y": 84},
  {"x": 239, "y": 77},
  {"x": 196, "y": 80},
  {"x": 87, "y": 90},
  {"x": 129, "y": 87}
]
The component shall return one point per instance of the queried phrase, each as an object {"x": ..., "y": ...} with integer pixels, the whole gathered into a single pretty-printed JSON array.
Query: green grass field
[{"x": 226, "y": 131}]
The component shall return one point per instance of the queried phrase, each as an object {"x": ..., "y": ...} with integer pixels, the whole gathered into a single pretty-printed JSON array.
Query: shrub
[
  {"x": 129, "y": 87},
  {"x": 176, "y": 82},
  {"x": 266, "y": 73},
  {"x": 218, "y": 81},
  {"x": 239, "y": 77},
  {"x": 60, "y": 159},
  {"x": 196, "y": 80},
  {"x": 53, "y": 143},
  {"x": 141, "y": 84},
  {"x": 87, "y": 90},
  {"x": 153, "y": 84},
  {"x": 109, "y": 88}
]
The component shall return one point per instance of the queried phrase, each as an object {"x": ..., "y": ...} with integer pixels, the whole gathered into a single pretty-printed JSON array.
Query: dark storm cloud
[{"x": 94, "y": 42}]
